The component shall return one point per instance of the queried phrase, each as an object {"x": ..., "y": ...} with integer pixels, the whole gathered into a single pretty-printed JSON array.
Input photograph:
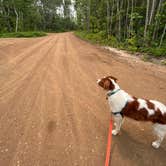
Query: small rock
[
  {"x": 6, "y": 150},
  {"x": 18, "y": 163}
]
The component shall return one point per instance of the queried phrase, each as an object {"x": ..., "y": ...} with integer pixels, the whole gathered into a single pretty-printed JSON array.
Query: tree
[
  {"x": 30, "y": 15},
  {"x": 130, "y": 22},
  {"x": 162, "y": 36}
]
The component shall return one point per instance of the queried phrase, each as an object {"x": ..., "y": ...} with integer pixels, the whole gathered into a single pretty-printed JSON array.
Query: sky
[{"x": 73, "y": 12}]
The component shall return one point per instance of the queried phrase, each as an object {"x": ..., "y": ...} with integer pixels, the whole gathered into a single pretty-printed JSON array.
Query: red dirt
[{"x": 52, "y": 113}]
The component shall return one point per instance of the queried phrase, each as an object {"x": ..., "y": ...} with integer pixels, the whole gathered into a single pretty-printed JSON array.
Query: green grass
[
  {"x": 22, "y": 34},
  {"x": 163, "y": 62},
  {"x": 131, "y": 44}
]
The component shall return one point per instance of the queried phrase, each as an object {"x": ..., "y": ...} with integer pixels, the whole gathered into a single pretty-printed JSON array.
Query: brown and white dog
[{"x": 122, "y": 104}]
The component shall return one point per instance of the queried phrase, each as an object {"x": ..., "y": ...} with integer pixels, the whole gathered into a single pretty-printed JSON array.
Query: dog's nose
[{"x": 98, "y": 80}]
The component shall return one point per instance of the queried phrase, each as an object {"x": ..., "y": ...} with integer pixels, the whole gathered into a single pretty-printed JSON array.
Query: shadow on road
[{"x": 135, "y": 152}]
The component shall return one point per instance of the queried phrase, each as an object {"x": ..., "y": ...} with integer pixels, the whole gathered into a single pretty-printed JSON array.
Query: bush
[
  {"x": 132, "y": 44},
  {"x": 132, "y": 48},
  {"x": 22, "y": 34},
  {"x": 113, "y": 41},
  {"x": 156, "y": 52},
  {"x": 131, "y": 41}
]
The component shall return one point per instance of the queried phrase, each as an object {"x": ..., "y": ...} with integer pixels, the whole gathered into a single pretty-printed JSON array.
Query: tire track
[
  {"x": 21, "y": 147},
  {"x": 25, "y": 103},
  {"x": 9, "y": 86},
  {"x": 26, "y": 81}
]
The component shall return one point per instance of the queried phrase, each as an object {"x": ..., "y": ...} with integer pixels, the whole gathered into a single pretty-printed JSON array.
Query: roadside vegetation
[
  {"x": 102, "y": 39},
  {"x": 134, "y": 25},
  {"x": 22, "y": 34},
  {"x": 30, "y": 18}
]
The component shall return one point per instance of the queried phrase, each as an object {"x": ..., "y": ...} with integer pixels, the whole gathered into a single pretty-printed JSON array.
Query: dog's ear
[
  {"x": 106, "y": 84},
  {"x": 111, "y": 77}
]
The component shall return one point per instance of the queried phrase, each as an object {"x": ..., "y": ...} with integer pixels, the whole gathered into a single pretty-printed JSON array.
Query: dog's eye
[{"x": 101, "y": 83}]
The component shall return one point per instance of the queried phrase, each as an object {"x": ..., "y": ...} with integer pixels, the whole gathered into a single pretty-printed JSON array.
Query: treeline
[
  {"x": 134, "y": 24},
  {"x": 36, "y": 15}
]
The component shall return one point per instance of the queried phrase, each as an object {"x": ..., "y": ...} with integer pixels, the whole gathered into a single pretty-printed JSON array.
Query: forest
[
  {"x": 135, "y": 25},
  {"x": 36, "y": 15}
]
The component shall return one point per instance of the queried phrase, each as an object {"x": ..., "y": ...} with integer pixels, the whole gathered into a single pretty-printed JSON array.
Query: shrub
[
  {"x": 113, "y": 41},
  {"x": 22, "y": 34},
  {"x": 158, "y": 51},
  {"x": 132, "y": 44}
]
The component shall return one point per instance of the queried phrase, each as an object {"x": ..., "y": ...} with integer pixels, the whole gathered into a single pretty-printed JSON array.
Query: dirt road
[{"x": 52, "y": 113}]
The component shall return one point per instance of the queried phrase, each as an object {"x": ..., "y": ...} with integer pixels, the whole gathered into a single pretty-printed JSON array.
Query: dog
[{"x": 122, "y": 104}]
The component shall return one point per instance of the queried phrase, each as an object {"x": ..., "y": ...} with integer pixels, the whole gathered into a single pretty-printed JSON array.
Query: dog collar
[
  {"x": 117, "y": 113},
  {"x": 113, "y": 92}
]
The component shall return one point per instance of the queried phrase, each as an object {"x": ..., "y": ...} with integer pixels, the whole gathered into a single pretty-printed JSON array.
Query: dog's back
[{"x": 146, "y": 110}]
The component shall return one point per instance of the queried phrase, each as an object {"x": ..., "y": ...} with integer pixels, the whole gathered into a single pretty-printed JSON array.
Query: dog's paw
[
  {"x": 155, "y": 145},
  {"x": 115, "y": 132}
]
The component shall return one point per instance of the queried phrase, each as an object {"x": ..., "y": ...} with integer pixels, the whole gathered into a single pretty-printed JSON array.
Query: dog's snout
[{"x": 98, "y": 80}]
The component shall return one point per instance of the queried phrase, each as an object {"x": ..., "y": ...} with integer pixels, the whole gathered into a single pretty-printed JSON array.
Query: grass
[
  {"x": 22, "y": 34},
  {"x": 163, "y": 62},
  {"x": 146, "y": 58},
  {"x": 131, "y": 45}
]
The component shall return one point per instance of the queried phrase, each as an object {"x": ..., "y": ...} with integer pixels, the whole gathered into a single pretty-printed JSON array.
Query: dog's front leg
[{"x": 117, "y": 122}]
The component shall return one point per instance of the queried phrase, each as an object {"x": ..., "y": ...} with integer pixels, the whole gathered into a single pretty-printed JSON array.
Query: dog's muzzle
[{"x": 98, "y": 81}]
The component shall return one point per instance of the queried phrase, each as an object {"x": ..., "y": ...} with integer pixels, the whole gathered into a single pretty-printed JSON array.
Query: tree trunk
[
  {"x": 121, "y": 5},
  {"x": 112, "y": 13},
  {"x": 156, "y": 22},
  {"x": 126, "y": 22},
  {"x": 131, "y": 19},
  {"x": 22, "y": 20},
  {"x": 118, "y": 13},
  {"x": 17, "y": 18},
  {"x": 8, "y": 22},
  {"x": 162, "y": 36},
  {"x": 108, "y": 18},
  {"x": 88, "y": 16},
  {"x": 146, "y": 20},
  {"x": 152, "y": 12}
]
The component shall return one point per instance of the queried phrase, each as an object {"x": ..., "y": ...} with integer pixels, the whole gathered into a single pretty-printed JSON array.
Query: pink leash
[{"x": 108, "y": 153}]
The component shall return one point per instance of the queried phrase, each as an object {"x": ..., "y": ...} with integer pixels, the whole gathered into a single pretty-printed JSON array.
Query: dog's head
[{"x": 107, "y": 83}]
